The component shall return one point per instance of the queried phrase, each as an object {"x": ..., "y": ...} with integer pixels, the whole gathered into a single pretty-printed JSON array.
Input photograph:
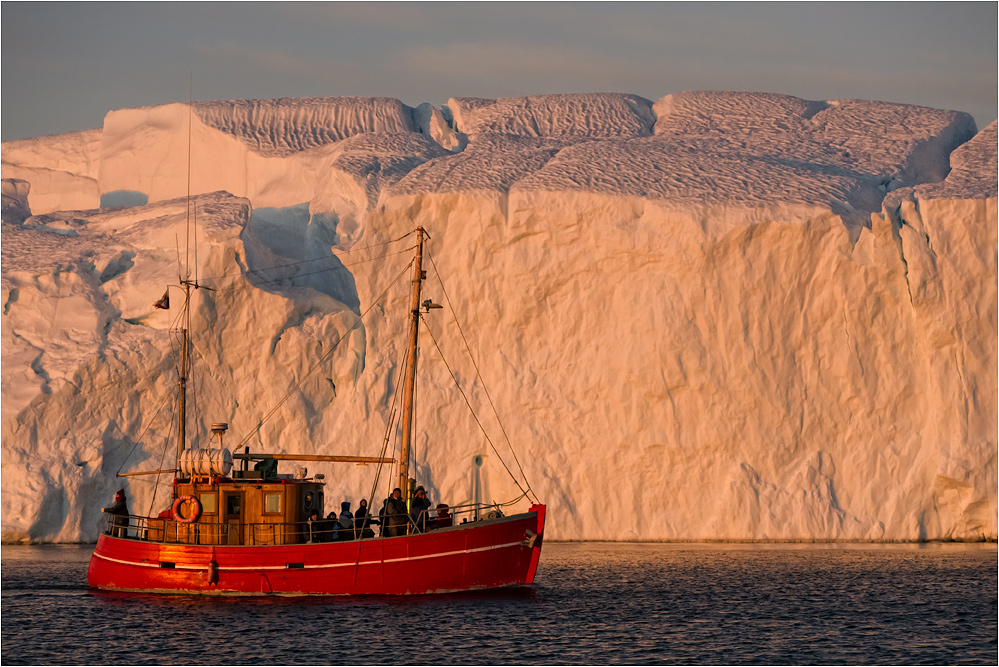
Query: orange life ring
[{"x": 195, "y": 515}]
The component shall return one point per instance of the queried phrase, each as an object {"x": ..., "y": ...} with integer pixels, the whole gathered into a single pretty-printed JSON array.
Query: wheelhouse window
[
  {"x": 208, "y": 503},
  {"x": 272, "y": 503}
]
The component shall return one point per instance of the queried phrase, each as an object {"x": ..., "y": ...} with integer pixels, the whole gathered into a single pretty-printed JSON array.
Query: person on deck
[
  {"x": 119, "y": 523},
  {"x": 362, "y": 511},
  {"x": 331, "y": 525},
  {"x": 383, "y": 513},
  {"x": 443, "y": 519},
  {"x": 396, "y": 514},
  {"x": 346, "y": 522},
  {"x": 419, "y": 507},
  {"x": 315, "y": 527},
  {"x": 362, "y": 518}
]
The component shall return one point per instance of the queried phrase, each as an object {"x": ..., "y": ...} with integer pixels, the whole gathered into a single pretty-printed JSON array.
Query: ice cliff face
[{"x": 713, "y": 316}]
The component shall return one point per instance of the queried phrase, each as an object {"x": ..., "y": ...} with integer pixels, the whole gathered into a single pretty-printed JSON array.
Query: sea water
[{"x": 591, "y": 603}]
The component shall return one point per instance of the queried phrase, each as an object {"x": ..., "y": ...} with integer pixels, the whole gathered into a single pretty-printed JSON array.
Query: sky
[{"x": 65, "y": 65}]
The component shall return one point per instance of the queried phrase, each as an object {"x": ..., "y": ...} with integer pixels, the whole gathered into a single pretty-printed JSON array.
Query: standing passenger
[
  {"x": 346, "y": 522},
  {"x": 362, "y": 518},
  {"x": 119, "y": 508},
  {"x": 362, "y": 512},
  {"x": 397, "y": 515},
  {"x": 383, "y": 513},
  {"x": 419, "y": 507}
]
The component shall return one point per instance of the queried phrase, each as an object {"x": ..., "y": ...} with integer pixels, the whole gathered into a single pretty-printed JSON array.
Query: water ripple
[{"x": 592, "y": 603}]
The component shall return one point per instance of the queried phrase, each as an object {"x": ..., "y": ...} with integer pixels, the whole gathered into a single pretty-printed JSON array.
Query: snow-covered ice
[{"x": 712, "y": 316}]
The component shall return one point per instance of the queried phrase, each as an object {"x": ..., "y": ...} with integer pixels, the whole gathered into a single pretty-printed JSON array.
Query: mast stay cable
[
  {"x": 475, "y": 416},
  {"x": 138, "y": 439},
  {"x": 478, "y": 374},
  {"x": 387, "y": 438},
  {"x": 326, "y": 356}
]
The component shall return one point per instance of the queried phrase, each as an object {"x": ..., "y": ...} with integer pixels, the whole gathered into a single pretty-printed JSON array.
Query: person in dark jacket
[
  {"x": 346, "y": 522},
  {"x": 362, "y": 519},
  {"x": 383, "y": 519},
  {"x": 396, "y": 514},
  {"x": 362, "y": 511},
  {"x": 119, "y": 523},
  {"x": 315, "y": 527},
  {"x": 419, "y": 508}
]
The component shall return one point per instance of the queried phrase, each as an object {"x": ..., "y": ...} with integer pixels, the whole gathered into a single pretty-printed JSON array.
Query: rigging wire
[
  {"x": 194, "y": 378},
  {"x": 152, "y": 499},
  {"x": 388, "y": 436},
  {"x": 475, "y": 416},
  {"x": 416, "y": 390},
  {"x": 381, "y": 465},
  {"x": 178, "y": 323},
  {"x": 322, "y": 360},
  {"x": 110, "y": 383},
  {"x": 139, "y": 439},
  {"x": 478, "y": 373}
]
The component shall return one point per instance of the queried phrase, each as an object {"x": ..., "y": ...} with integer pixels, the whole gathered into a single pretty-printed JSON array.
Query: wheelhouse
[{"x": 251, "y": 507}]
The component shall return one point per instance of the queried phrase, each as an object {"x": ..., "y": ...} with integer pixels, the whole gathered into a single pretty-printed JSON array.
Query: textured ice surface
[
  {"x": 491, "y": 163},
  {"x": 718, "y": 316},
  {"x": 591, "y": 116},
  {"x": 285, "y": 126}
]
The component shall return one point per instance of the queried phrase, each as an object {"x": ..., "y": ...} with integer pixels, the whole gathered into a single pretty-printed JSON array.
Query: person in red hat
[{"x": 119, "y": 524}]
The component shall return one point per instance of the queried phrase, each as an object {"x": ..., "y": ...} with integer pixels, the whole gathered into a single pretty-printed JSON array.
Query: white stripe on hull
[{"x": 320, "y": 566}]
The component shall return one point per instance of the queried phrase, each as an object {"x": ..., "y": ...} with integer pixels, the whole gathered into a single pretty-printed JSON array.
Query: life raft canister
[{"x": 195, "y": 515}]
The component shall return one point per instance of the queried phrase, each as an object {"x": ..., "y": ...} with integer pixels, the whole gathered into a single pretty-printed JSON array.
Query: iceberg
[{"x": 713, "y": 316}]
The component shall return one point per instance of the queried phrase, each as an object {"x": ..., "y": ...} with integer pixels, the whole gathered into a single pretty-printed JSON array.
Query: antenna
[{"x": 190, "y": 122}]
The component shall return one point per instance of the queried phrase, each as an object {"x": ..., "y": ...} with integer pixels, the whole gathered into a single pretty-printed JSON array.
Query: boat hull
[{"x": 484, "y": 554}]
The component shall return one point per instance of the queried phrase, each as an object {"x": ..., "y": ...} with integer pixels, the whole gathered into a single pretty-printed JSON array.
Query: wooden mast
[
  {"x": 409, "y": 384},
  {"x": 182, "y": 383}
]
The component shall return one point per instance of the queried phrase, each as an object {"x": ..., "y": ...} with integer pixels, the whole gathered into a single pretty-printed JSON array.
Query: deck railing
[{"x": 155, "y": 529}]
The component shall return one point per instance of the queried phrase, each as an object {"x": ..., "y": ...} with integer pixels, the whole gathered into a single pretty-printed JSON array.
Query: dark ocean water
[{"x": 592, "y": 603}]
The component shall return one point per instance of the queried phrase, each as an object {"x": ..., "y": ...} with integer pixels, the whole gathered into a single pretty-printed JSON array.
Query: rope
[
  {"x": 156, "y": 487},
  {"x": 385, "y": 444},
  {"x": 137, "y": 440},
  {"x": 381, "y": 454},
  {"x": 322, "y": 360},
  {"x": 478, "y": 374},
  {"x": 508, "y": 503},
  {"x": 474, "y": 416}
]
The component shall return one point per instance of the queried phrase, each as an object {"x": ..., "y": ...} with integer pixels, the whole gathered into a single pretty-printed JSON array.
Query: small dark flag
[{"x": 163, "y": 303}]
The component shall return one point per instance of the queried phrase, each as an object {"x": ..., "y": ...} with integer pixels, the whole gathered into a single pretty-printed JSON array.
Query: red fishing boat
[{"x": 232, "y": 530}]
